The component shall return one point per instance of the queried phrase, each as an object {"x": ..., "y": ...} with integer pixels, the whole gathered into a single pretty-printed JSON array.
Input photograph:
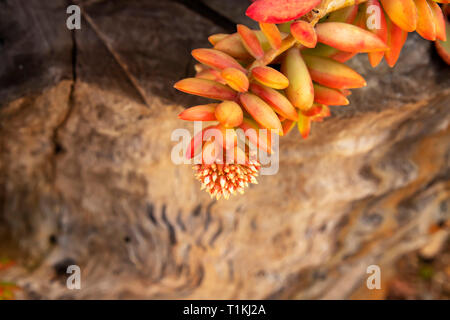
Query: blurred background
[{"x": 86, "y": 177}]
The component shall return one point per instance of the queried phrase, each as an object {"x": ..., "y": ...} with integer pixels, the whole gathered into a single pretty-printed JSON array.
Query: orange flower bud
[
  {"x": 426, "y": 25},
  {"x": 270, "y": 77},
  {"x": 300, "y": 91},
  {"x": 216, "y": 59},
  {"x": 261, "y": 112},
  {"x": 402, "y": 12},
  {"x": 333, "y": 74},
  {"x": 199, "y": 113},
  {"x": 328, "y": 96},
  {"x": 272, "y": 34},
  {"x": 304, "y": 33},
  {"x": 206, "y": 88},
  {"x": 250, "y": 41},
  {"x": 236, "y": 79},
  {"x": 229, "y": 114},
  {"x": 276, "y": 100},
  {"x": 232, "y": 45},
  {"x": 349, "y": 38}
]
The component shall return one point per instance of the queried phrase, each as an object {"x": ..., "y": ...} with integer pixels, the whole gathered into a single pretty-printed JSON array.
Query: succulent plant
[{"x": 290, "y": 71}]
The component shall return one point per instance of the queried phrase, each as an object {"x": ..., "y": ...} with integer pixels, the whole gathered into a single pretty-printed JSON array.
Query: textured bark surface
[{"x": 86, "y": 176}]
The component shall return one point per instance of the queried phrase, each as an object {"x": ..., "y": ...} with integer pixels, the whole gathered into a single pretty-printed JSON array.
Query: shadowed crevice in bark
[{"x": 212, "y": 15}]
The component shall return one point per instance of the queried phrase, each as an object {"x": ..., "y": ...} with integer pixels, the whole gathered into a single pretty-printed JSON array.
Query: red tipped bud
[
  {"x": 251, "y": 130},
  {"x": 216, "y": 59},
  {"x": 272, "y": 34},
  {"x": 261, "y": 112},
  {"x": 215, "y": 38},
  {"x": 279, "y": 11},
  {"x": 439, "y": 20},
  {"x": 349, "y": 38},
  {"x": 304, "y": 125},
  {"x": 402, "y": 12},
  {"x": 426, "y": 25},
  {"x": 206, "y": 88},
  {"x": 300, "y": 91},
  {"x": 396, "y": 40},
  {"x": 304, "y": 33},
  {"x": 199, "y": 113},
  {"x": 229, "y": 114},
  {"x": 232, "y": 45},
  {"x": 270, "y": 77},
  {"x": 328, "y": 96},
  {"x": 250, "y": 41},
  {"x": 236, "y": 79},
  {"x": 276, "y": 100},
  {"x": 333, "y": 74}
]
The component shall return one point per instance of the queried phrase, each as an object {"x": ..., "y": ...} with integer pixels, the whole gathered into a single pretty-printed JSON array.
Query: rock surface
[{"x": 86, "y": 175}]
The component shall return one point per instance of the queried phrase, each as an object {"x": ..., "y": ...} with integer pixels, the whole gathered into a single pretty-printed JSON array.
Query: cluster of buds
[{"x": 290, "y": 71}]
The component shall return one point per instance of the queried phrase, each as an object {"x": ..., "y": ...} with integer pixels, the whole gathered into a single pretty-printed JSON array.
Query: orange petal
[
  {"x": 216, "y": 59},
  {"x": 304, "y": 33},
  {"x": 276, "y": 100},
  {"x": 263, "y": 41},
  {"x": 279, "y": 11},
  {"x": 443, "y": 47},
  {"x": 402, "y": 12},
  {"x": 439, "y": 20},
  {"x": 328, "y": 96},
  {"x": 318, "y": 112},
  {"x": 229, "y": 114},
  {"x": 396, "y": 40},
  {"x": 206, "y": 88},
  {"x": 426, "y": 25},
  {"x": 261, "y": 112},
  {"x": 210, "y": 74},
  {"x": 215, "y": 38},
  {"x": 314, "y": 111},
  {"x": 236, "y": 79},
  {"x": 325, "y": 111},
  {"x": 250, "y": 41},
  {"x": 333, "y": 74},
  {"x": 270, "y": 77},
  {"x": 272, "y": 34},
  {"x": 300, "y": 91},
  {"x": 288, "y": 125},
  {"x": 349, "y": 38},
  {"x": 199, "y": 113},
  {"x": 376, "y": 23},
  {"x": 232, "y": 45},
  {"x": 304, "y": 125},
  {"x": 251, "y": 130}
]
